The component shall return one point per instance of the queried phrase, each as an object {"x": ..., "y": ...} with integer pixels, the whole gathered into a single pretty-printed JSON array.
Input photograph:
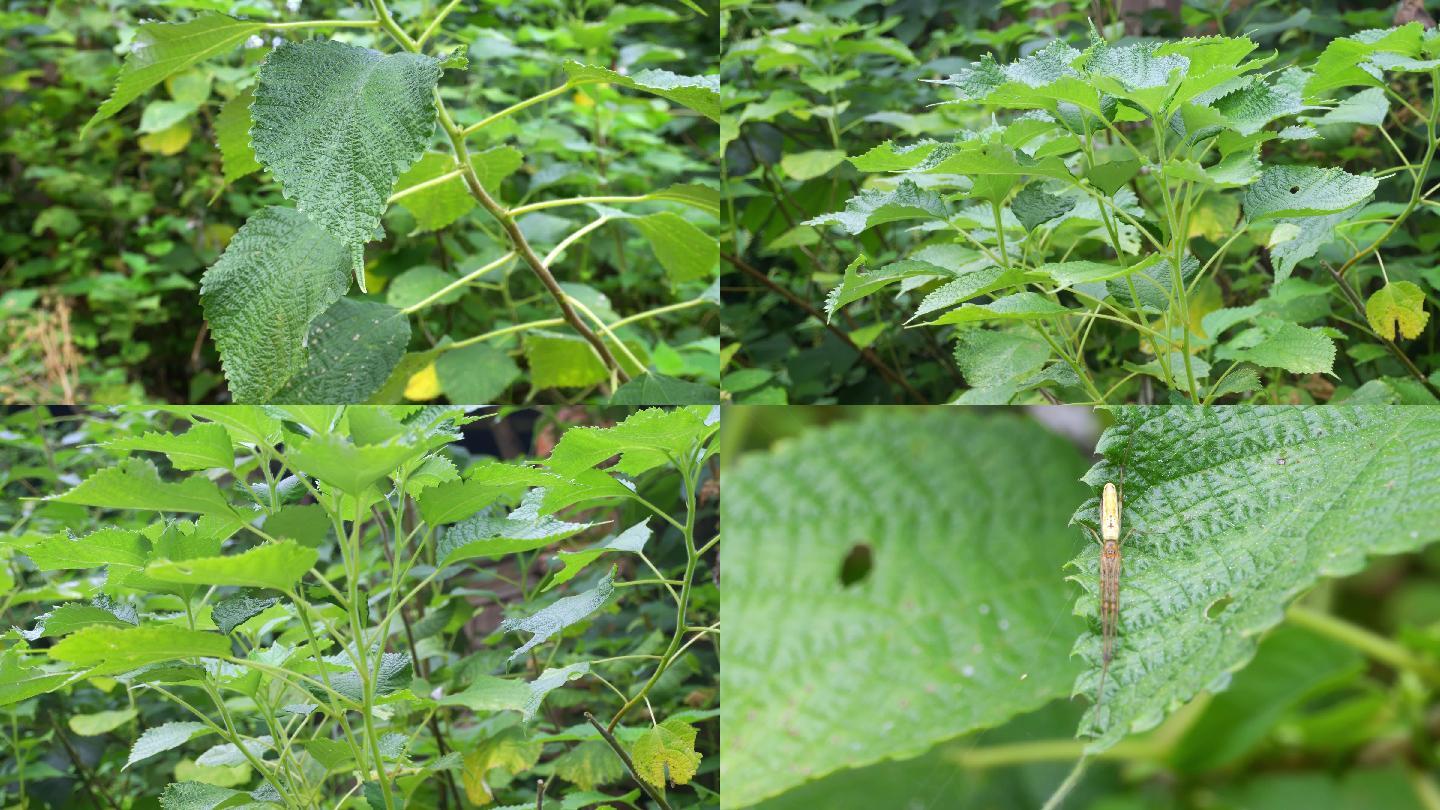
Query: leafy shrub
[
  {"x": 943, "y": 669},
  {"x": 298, "y": 607},
  {"x": 568, "y": 256},
  {"x": 1154, "y": 218}
]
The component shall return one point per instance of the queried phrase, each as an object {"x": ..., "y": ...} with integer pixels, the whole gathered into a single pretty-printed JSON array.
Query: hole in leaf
[
  {"x": 1217, "y": 607},
  {"x": 857, "y": 564},
  {"x": 1294, "y": 189}
]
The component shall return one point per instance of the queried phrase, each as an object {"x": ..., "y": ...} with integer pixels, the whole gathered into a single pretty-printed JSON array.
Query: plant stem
[
  {"x": 435, "y": 23},
  {"x": 514, "y": 108},
  {"x": 625, "y": 758},
  {"x": 543, "y": 204},
  {"x": 288, "y": 26},
  {"x": 521, "y": 244},
  {"x": 1377, "y": 647},
  {"x": 464, "y": 281},
  {"x": 1058, "y": 797},
  {"x": 867, "y": 355},
  {"x": 1354, "y": 298}
]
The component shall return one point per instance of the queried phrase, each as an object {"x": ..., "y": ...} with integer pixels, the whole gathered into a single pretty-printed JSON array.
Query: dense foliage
[
  {"x": 320, "y": 606},
  {"x": 306, "y": 154},
  {"x": 1278, "y": 642},
  {"x": 1230, "y": 206}
]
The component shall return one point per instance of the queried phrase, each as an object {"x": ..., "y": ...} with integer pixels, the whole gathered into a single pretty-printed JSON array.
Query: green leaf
[
  {"x": 1338, "y": 484},
  {"x": 589, "y": 765},
  {"x": 162, "y": 115},
  {"x": 645, "y": 440},
  {"x": 232, "y": 135},
  {"x": 1033, "y": 207},
  {"x": 1290, "y": 667},
  {"x": 93, "y": 725},
  {"x": 1250, "y": 107},
  {"x": 1283, "y": 344},
  {"x": 1111, "y": 176},
  {"x": 200, "y": 796},
  {"x": 204, "y": 446},
  {"x": 490, "y": 534},
  {"x": 873, "y": 207},
  {"x": 666, "y": 753},
  {"x": 395, "y": 673},
  {"x": 19, "y": 681},
  {"x": 632, "y": 539},
  {"x": 686, "y": 252},
  {"x": 354, "y": 347},
  {"x": 812, "y": 164},
  {"x": 889, "y": 158},
  {"x": 793, "y": 517},
  {"x": 1399, "y": 306},
  {"x": 475, "y": 374},
  {"x": 162, "y": 738},
  {"x": 161, "y": 50},
  {"x": 657, "y": 389},
  {"x": 233, "y": 611},
  {"x": 101, "y": 547},
  {"x": 277, "y": 275},
  {"x": 73, "y": 616},
  {"x": 560, "y": 614},
  {"x": 312, "y": 101},
  {"x": 1021, "y": 306},
  {"x": 110, "y": 651},
  {"x": 562, "y": 361},
  {"x": 135, "y": 484},
  {"x": 418, "y": 283},
  {"x": 488, "y": 693},
  {"x": 1294, "y": 240},
  {"x": 699, "y": 93},
  {"x": 436, "y": 206},
  {"x": 1302, "y": 191},
  {"x": 1367, "y": 107},
  {"x": 696, "y": 196},
  {"x": 1069, "y": 274},
  {"x": 351, "y": 468},
  {"x": 273, "y": 565},
  {"x": 484, "y": 484}
]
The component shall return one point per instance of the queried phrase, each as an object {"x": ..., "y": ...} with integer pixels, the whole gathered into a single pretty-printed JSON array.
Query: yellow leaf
[
  {"x": 582, "y": 100},
  {"x": 167, "y": 141},
  {"x": 424, "y": 384},
  {"x": 508, "y": 752},
  {"x": 666, "y": 753},
  {"x": 1398, "y": 306},
  {"x": 374, "y": 282}
]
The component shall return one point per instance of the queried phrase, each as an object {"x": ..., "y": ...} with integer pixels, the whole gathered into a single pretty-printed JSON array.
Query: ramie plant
[
  {"x": 347, "y": 129},
  {"x": 1110, "y": 187},
  {"x": 292, "y": 603}
]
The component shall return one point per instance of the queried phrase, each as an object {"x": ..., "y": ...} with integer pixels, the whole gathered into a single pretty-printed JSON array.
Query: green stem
[
  {"x": 1375, "y": 646},
  {"x": 542, "y": 205},
  {"x": 288, "y": 26},
  {"x": 1058, "y": 797},
  {"x": 464, "y": 281},
  {"x": 515, "y": 108}
]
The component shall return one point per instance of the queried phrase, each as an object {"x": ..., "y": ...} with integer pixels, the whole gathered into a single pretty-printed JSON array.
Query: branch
[
  {"x": 625, "y": 758},
  {"x": 868, "y": 355}
]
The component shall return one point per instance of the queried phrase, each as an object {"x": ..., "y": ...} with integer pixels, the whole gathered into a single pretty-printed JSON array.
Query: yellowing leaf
[
  {"x": 508, "y": 751},
  {"x": 167, "y": 141},
  {"x": 1398, "y": 306},
  {"x": 666, "y": 754},
  {"x": 424, "y": 384}
]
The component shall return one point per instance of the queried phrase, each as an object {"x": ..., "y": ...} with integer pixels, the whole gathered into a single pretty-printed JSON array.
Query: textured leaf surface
[
  {"x": 1397, "y": 307},
  {"x": 699, "y": 93},
  {"x": 136, "y": 484},
  {"x": 490, "y": 534},
  {"x": 665, "y": 753},
  {"x": 657, "y": 389},
  {"x": 1021, "y": 306},
  {"x": 1295, "y": 348},
  {"x": 110, "y": 651},
  {"x": 232, "y": 135},
  {"x": 1303, "y": 191},
  {"x": 341, "y": 463},
  {"x": 354, "y": 346},
  {"x": 276, "y": 276},
  {"x": 644, "y": 440},
  {"x": 873, "y": 207},
  {"x": 337, "y": 124},
  {"x": 959, "y": 625},
  {"x": 162, "y": 738},
  {"x": 101, "y": 547},
  {"x": 1249, "y": 504},
  {"x": 555, "y": 617},
  {"x": 161, "y": 50},
  {"x": 632, "y": 539},
  {"x": 1033, "y": 207},
  {"x": 202, "y": 447},
  {"x": 273, "y": 565}
]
